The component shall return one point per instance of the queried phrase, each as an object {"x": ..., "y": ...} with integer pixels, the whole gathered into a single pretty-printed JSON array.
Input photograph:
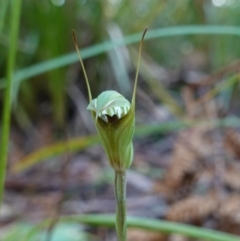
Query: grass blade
[
  {"x": 155, "y": 225},
  {"x": 14, "y": 27},
  {"x": 147, "y": 224},
  {"x": 70, "y": 58},
  {"x": 54, "y": 150}
]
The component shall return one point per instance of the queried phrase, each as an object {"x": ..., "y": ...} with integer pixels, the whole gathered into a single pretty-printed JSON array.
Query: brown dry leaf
[
  {"x": 144, "y": 235},
  {"x": 184, "y": 161},
  {"x": 232, "y": 142},
  {"x": 205, "y": 177},
  {"x": 161, "y": 188},
  {"x": 232, "y": 177},
  {"x": 189, "y": 148},
  {"x": 192, "y": 208},
  {"x": 230, "y": 209}
]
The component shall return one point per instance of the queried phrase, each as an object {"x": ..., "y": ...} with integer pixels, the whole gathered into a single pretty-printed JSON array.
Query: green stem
[
  {"x": 15, "y": 16},
  {"x": 120, "y": 193}
]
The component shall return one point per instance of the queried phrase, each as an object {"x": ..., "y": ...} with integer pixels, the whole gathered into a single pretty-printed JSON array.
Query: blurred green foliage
[{"x": 45, "y": 33}]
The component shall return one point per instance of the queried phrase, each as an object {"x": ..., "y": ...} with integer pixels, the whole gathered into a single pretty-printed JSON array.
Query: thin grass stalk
[
  {"x": 14, "y": 27},
  {"x": 120, "y": 193}
]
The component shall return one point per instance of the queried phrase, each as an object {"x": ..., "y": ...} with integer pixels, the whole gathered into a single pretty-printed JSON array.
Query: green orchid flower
[
  {"x": 115, "y": 123},
  {"x": 114, "y": 118}
]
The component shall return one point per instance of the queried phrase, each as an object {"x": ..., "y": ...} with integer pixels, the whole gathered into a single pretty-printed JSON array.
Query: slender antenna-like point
[
  {"x": 138, "y": 66},
  {"x": 84, "y": 71}
]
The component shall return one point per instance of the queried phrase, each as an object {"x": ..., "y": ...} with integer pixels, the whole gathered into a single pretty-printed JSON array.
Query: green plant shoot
[{"x": 114, "y": 118}]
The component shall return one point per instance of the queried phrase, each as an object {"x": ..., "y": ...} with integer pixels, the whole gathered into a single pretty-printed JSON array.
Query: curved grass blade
[
  {"x": 54, "y": 150},
  {"x": 144, "y": 223},
  {"x": 70, "y": 58},
  {"x": 155, "y": 225}
]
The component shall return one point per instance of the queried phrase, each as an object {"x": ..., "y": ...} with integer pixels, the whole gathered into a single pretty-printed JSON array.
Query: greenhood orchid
[{"x": 114, "y": 118}]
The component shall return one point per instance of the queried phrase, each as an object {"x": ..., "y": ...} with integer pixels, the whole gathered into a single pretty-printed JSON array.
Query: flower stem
[{"x": 120, "y": 193}]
